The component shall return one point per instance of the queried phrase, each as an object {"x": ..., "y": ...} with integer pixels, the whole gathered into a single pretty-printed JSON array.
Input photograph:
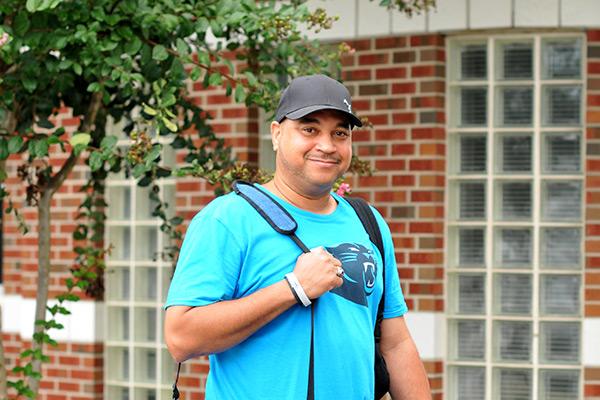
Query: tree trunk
[{"x": 43, "y": 278}]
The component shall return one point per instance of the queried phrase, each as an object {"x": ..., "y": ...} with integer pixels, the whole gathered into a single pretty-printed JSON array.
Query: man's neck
[{"x": 318, "y": 203}]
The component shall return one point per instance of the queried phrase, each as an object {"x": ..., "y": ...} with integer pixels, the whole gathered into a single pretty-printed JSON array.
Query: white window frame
[
  {"x": 490, "y": 176},
  {"x": 163, "y": 267}
]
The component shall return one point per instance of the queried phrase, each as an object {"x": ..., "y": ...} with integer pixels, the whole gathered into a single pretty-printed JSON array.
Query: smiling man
[{"x": 229, "y": 298}]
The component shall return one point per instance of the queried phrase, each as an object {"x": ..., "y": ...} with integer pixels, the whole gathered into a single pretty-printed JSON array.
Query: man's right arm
[{"x": 193, "y": 331}]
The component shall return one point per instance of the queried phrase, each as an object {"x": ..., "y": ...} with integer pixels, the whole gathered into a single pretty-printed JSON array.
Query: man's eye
[
  {"x": 308, "y": 129},
  {"x": 342, "y": 134}
]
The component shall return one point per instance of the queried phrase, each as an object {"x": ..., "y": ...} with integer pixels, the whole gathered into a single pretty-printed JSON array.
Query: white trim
[
  {"x": 84, "y": 325},
  {"x": 590, "y": 342},
  {"x": 428, "y": 331}
]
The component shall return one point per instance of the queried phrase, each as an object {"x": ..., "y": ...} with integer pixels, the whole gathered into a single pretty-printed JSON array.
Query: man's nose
[{"x": 325, "y": 143}]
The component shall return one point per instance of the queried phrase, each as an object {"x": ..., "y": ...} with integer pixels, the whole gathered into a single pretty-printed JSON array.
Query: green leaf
[
  {"x": 149, "y": 110},
  {"x": 139, "y": 170},
  {"x": 77, "y": 68},
  {"x": 215, "y": 79},
  {"x": 195, "y": 73},
  {"x": 4, "y": 153},
  {"x": 29, "y": 84},
  {"x": 40, "y": 148},
  {"x": 178, "y": 143},
  {"x": 94, "y": 87},
  {"x": 251, "y": 78},
  {"x": 80, "y": 138},
  {"x": 33, "y": 5},
  {"x": 240, "y": 94},
  {"x": 14, "y": 144},
  {"x": 95, "y": 161},
  {"x": 133, "y": 45},
  {"x": 182, "y": 47},
  {"x": 170, "y": 125},
  {"x": 21, "y": 24},
  {"x": 159, "y": 53},
  {"x": 108, "y": 142}
]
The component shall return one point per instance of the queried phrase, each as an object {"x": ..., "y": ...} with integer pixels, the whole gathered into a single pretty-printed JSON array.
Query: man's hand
[{"x": 317, "y": 272}]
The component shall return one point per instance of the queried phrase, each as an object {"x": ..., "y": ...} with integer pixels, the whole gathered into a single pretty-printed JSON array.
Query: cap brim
[{"x": 354, "y": 120}]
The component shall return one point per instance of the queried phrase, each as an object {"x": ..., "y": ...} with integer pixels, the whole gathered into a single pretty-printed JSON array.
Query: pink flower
[
  {"x": 3, "y": 39},
  {"x": 343, "y": 189}
]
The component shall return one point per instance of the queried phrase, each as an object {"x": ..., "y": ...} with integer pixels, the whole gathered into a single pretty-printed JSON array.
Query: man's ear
[{"x": 275, "y": 134}]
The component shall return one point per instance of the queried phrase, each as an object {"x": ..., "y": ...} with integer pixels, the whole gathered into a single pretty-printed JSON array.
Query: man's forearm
[
  {"x": 193, "y": 331},
  {"x": 408, "y": 379}
]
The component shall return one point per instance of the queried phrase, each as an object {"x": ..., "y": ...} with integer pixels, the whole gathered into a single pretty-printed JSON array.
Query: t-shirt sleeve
[
  {"x": 209, "y": 263},
  {"x": 395, "y": 305}
]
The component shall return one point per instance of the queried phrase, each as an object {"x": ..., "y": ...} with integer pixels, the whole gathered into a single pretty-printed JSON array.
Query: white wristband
[{"x": 297, "y": 288}]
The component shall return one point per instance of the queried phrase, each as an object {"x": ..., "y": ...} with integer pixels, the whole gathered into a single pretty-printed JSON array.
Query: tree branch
[{"x": 88, "y": 121}]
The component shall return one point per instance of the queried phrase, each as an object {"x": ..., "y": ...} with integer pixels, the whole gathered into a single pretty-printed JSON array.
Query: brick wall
[
  {"x": 592, "y": 243},
  {"x": 398, "y": 84}
]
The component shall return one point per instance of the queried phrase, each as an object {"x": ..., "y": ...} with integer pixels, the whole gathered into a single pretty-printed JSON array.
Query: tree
[{"x": 130, "y": 60}]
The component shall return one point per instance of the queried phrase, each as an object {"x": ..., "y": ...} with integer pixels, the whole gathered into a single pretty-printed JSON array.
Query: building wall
[
  {"x": 592, "y": 241},
  {"x": 398, "y": 83}
]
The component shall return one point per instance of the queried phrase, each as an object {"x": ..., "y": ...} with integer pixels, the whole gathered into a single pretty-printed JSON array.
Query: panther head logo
[{"x": 360, "y": 269}]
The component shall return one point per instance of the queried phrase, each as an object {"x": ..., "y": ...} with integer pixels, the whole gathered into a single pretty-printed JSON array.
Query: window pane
[
  {"x": 514, "y": 384},
  {"x": 561, "y": 105},
  {"x": 471, "y": 247},
  {"x": 146, "y": 284},
  {"x": 561, "y": 59},
  {"x": 516, "y": 153},
  {"x": 469, "y": 383},
  {"x": 145, "y": 324},
  {"x": 146, "y": 243},
  {"x": 515, "y": 200},
  {"x": 473, "y": 62},
  {"x": 120, "y": 202},
  {"x": 561, "y": 248},
  {"x": 472, "y": 154},
  {"x": 560, "y": 342},
  {"x": 117, "y": 287},
  {"x": 473, "y": 103},
  {"x": 562, "y": 201},
  {"x": 145, "y": 394},
  {"x": 145, "y": 365},
  {"x": 144, "y": 205},
  {"x": 515, "y": 248},
  {"x": 517, "y": 61},
  {"x": 513, "y": 341},
  {"x": 470, "y": 337},
  {"x": 471, "y": 294},
  {"x": 117, "y": 363},
  {"x": 472, "y": 200},
  {"x": 559, "y": 385},
  {"x": 118, "y": 323},
  {"x": 120, "y": 239},
  {"x": 516, "y": 106},
  {"x": 562, "y": 153},
  {"x": 560, "y": 294},
  {"x": 514, "y": 293}
]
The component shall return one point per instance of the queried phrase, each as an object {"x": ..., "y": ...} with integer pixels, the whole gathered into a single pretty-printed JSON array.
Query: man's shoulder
[{"x": 224, "y": 207}]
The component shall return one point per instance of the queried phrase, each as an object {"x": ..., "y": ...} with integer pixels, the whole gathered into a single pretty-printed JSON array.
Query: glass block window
[
  {"x": 515, "y": 218},
  {"x": 137, "y": 363}
]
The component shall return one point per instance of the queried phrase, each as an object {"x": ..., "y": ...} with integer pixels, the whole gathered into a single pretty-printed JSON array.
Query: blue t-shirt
[{"x": 230, "y": 252}]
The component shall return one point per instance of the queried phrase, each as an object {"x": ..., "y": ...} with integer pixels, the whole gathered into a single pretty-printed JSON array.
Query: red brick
[
  {"x": 390, "y": 104},
  {"x": 592, "y": 390},
  {"x": 427, "y": 102},
  {"x": 419, "y": 71},
  {"x": 404, "y": 118},
  {"x": 426, "y": 40},
  {"x": 360, "y": 44},
  {"x": 403, "y": 180},
  {"x": 404, "y": 88},
  {"x": 370, "y": 181},
  {"x": 390, "y": 165},
  {"x": 372, "y": 59},
  {"x": 376, "y": 119},
  {"x": 593, "y": 36},
  {"x": 390, "y": 73},
  {"x": 356, "y": 75},
  {"x": 403, "y": 149},
  {"x": 235, "y": 113},
  {"x": 428, "y": 133},
  {"x": 390, "y": 134},
  {"x": 426, "y": 196},
  {"x": 390, "y": 42},
  {"x": 426, "y": 288},
  {"x": 372, "y": 150},
  {"x": 70, "y": 121},
  {"x": 593, "y": 67},
  {"x": 426, "y": 227},
  {"x": 593, "y": 100}
]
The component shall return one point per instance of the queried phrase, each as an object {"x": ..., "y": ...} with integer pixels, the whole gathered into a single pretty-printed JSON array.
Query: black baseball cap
[{"x": 307, "y": 94}]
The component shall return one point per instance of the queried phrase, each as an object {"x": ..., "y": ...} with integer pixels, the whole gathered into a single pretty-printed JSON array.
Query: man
[{"x": 229, "y": 298}]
